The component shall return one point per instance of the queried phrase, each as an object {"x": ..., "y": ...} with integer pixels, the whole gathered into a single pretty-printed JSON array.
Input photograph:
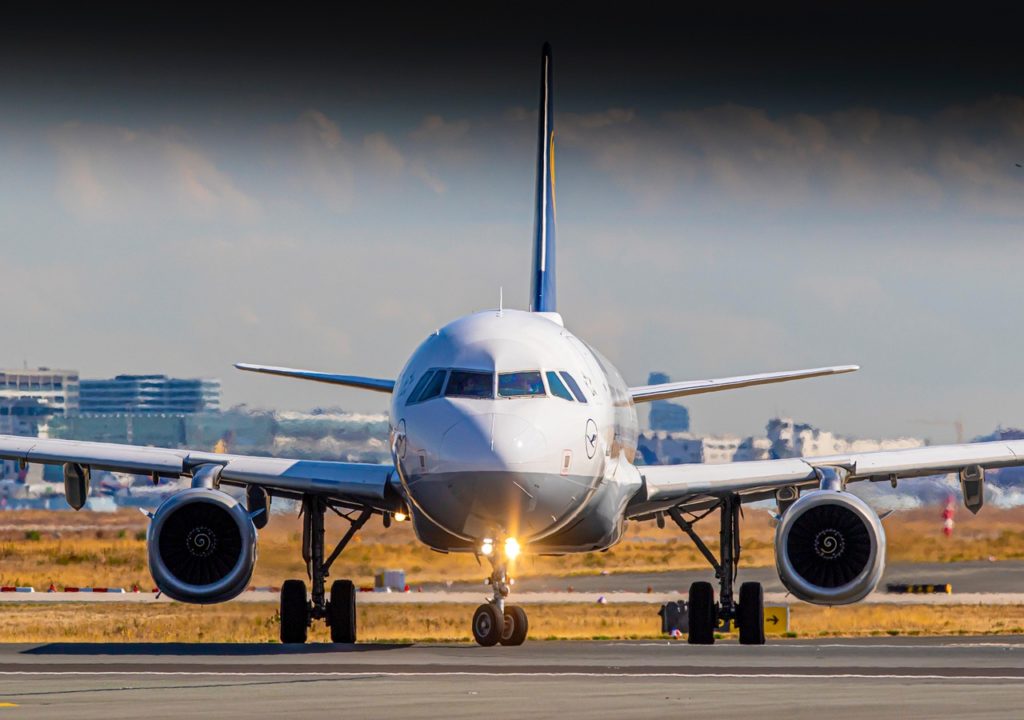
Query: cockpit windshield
[
  {"x": 470, "y": 384},
  {"x": 520, "y": 384},
  {"x": 480, "y": 384}
]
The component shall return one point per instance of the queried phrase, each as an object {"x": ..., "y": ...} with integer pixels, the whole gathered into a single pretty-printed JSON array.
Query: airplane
[{"x": 508, "y": 435}]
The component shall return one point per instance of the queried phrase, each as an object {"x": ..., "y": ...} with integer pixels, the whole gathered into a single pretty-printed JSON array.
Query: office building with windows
[{"x": 149, "y": 394}]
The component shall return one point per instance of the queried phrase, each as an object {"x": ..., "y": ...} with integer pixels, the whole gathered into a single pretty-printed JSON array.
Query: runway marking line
[
  {"x": 797, "y": 645},
  {"x": 7, "y": 704},
  {"x": 480, "y": 673}
]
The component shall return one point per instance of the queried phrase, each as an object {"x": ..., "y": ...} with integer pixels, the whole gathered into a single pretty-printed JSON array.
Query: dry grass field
[
  {"x": 37, "y": 548},
  {"x": 108, "y": 549},
  {"x": 258, "y": 622}
]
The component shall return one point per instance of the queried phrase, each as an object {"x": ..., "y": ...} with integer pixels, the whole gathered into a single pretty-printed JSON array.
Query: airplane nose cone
[{"x": 491, "y": 441}]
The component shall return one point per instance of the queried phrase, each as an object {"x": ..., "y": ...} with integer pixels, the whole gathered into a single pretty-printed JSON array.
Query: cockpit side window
[
  {"x": 428, "y": 387},
  {"x": 521, "y": 384},
  {"x": 416, "y": 391},
  {"x": 571, "y": 382},
  {"x": 467, "y": 383},
  {"x": 558, "y": 388},
  {"x": 433, "y": 388}
]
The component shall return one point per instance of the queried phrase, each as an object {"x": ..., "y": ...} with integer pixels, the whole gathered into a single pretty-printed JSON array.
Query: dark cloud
[{"x": 861, "y": 159}]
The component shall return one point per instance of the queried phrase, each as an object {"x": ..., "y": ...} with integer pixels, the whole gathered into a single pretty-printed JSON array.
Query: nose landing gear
[{"x": 494, "y": 622}]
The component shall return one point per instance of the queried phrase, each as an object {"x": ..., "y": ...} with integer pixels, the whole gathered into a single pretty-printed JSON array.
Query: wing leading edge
[
  {"x": 358, "y": 381},
  {"x": 664, "y": 391},
  {"x": 359, "y": 483},
  {"x": 675, "y": 485}
]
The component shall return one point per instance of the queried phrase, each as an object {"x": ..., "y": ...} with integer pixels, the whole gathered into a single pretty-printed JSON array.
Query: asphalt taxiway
[{"x": 907, "y": 678}]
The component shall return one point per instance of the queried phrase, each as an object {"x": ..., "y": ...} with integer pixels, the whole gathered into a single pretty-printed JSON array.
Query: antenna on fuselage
[{"x": 501, "y": 299}]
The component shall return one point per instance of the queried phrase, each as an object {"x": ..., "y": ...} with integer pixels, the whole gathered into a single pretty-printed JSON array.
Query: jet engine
[
  {"x": 202, "y": 546},
  {"x": 830, "y": 548}
]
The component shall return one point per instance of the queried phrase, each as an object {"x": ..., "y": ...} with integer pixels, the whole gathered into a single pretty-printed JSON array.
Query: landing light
[
  {"x": 400, "y": 517},
  {"x": 511, "y": 548},
  {"x": 487, "y": 547}
]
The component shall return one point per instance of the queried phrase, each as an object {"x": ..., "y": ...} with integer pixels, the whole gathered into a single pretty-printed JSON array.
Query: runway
[{"x": 907, "y": 678}]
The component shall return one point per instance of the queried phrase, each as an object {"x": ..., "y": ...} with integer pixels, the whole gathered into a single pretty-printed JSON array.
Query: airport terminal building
[
  {"x": 149, "y": 394},
  {"x": 143, "y": 409}
]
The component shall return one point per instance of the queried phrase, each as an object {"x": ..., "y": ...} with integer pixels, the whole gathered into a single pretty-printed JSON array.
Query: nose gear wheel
[{"x": 495, "y": 622}]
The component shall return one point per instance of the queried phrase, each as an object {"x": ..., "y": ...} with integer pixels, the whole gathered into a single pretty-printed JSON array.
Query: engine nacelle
[
  {"x": 201, "y": 546},
  {"x": 830, "y": 548}
]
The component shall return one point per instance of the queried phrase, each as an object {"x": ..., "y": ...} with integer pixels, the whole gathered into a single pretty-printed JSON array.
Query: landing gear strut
[
  {"x": 495, "y": 622},
  {"x": 705, "y": 615},
  {"x": 298, "y": 612}
]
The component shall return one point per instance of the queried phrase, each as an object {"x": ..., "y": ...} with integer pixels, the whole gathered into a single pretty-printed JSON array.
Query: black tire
[
  {"x": 341, "y": 612},
  {"x": 487, "y": 625},
  {"x": 515, "y": 627},
  {"x": 294, "y": 612},
  {"x": 751, "y": 614},
  {"x": 702, "y": 614}
]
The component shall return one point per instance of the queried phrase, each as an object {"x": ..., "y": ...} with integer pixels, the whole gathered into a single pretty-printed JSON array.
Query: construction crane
[{"x": 958, "y": 426}]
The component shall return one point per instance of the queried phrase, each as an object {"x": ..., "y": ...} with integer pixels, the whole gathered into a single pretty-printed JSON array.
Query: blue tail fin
[{"x": 543, "y": 289}]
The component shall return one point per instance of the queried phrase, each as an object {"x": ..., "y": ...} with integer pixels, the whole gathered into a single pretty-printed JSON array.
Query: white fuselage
[{"x": 504, "y": 424}]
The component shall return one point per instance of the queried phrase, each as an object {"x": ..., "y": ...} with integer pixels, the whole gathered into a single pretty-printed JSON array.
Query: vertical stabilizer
[{"x": 542, "y": 290}]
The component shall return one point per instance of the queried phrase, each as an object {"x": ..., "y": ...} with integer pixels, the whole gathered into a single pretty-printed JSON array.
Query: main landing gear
[
  {"x": 495, "y": 622},
  {"x": 705, "y": 615},
  {"x": 298, "y": 611}
]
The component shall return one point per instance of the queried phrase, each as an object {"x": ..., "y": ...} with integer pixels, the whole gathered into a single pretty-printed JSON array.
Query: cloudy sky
[{"x": 738, "y": 192}]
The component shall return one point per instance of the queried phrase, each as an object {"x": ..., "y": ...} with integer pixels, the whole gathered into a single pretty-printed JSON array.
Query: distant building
[
  {"x": 785, "y": 439},
  {"x": 665, "y": 448},
  {"x": 154, "y": 429},
  {"x": 29, "y": 401},
  {"x": 24, "y": 416},
  {"x": 319, "y": 435},
  {"x": 666, "y": 415},
  {"x": 56, "y": 389},
  {"x": 149, "y": 394},
  {"x": 789, "y": 439}
]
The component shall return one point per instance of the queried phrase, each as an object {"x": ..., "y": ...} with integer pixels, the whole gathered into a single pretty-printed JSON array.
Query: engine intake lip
[
  {"x": 830, "y": 548},
  {"x": 202, "y": 546}
]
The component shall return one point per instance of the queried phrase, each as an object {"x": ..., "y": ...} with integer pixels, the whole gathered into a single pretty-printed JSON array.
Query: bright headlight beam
[
  {"x": 511, "y": 548},
  {"x": 487, "y": 546}
]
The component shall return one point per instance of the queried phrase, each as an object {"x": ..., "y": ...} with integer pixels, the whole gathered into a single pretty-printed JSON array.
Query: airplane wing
[
  {"x": 664, "y": 391},
  {"x": 366, "y": 383},
  {"x": 695, "y": 485},
  {"x": 361, "y": 484}
]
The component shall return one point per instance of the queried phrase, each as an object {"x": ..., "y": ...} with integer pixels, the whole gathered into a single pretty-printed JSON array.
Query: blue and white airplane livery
[{"x": 511, "y": 435}]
